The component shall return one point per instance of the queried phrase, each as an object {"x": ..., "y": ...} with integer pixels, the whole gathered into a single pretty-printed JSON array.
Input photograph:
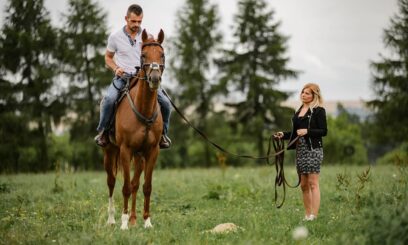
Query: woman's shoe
[
  {"x": 309, "y": 217},
  {"x": 312, "y": 217}
]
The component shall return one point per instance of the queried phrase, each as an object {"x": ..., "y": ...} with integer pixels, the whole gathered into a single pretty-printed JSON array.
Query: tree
[
  {"x": 253, "y": 67},
  {"x": 13, "y": 128},
  {"x": 344, "y": 143},
  {"x": 193, "y": 46},
  {"x": 82, "y": 47},
  {"x": 27, "y": 45},
  {"x": 390, "y": 82}
]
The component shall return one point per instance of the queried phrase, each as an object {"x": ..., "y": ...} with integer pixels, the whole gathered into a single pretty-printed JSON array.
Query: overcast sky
[{"x": 331, "y": 41}]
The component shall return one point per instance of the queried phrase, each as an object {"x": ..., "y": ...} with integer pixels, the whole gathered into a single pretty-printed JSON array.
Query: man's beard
[{"x": 134, "y": 29}]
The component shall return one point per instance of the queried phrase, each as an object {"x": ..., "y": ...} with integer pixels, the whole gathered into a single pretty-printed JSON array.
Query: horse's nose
[{"x": 155, "y": 78}]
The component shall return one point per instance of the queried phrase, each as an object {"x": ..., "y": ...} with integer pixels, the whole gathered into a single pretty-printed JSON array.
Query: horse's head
[{"x": 152, "y": 58}]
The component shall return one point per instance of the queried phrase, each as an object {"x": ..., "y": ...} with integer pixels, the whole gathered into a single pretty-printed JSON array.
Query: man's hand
[{"x": 119, "y": 71}]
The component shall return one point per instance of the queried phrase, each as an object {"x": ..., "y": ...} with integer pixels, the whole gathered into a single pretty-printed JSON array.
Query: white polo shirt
[{"x": 127, "y": 51}]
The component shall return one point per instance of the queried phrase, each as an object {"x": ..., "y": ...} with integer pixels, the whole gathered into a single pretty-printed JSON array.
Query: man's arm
[{"x": 111, "y": 64}]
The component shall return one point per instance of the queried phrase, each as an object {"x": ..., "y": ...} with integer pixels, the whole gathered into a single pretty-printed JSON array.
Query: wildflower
[{"x": 300, "y": 233}]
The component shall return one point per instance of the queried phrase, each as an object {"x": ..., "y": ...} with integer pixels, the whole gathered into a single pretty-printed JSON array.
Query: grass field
[{"x": 71, "y": 208}]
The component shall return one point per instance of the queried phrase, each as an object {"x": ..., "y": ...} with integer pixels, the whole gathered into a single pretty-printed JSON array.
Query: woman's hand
[
  {"x": 278, "y": 135},
  {"x": 301, "y": 132}
]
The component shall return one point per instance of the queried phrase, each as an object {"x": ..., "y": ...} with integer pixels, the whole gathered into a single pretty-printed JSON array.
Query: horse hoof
[
  {"x": 125, "y": 220},
  {"x": 132, "y": 221},
  {"x": 148, "y": 224},
  {"x": 111, "y": 212},
  {"x": 111, "y": 221}
]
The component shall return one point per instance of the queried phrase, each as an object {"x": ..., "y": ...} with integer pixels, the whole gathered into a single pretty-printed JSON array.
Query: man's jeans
[
  {"x": 111, "y": 96},
  {"x": 165, "y": 108}
]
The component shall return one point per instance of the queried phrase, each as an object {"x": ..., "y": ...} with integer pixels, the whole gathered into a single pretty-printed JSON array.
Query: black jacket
[{"x": 317, "y": 128}]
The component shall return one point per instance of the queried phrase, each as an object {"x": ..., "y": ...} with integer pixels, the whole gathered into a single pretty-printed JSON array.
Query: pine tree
[
  {"x": 390, "y": 81},
  {"x": 82, "y": 48},
  {"x": 27, "y": 45},
  {"x": 253, "y": 67},
  {"x": 192, "y": 49}
]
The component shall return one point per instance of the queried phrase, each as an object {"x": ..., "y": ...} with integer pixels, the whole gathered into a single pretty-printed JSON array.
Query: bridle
[{"x": 154, "y": 66}]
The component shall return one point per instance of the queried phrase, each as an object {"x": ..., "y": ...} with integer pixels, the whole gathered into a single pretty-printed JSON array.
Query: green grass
[{"x": 71, "y": 208}]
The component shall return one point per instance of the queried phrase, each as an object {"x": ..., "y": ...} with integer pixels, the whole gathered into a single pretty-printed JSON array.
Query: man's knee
[
  {"x": 165, "y": 103},
  {"x": 163, "y": 98},
  {"x": 109, "y": 99}
]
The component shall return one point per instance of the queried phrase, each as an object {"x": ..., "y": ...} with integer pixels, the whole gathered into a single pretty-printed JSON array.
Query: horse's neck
[{"x": 145, "y": 99}]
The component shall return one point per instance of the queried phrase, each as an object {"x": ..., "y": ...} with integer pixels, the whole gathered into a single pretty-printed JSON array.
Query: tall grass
[{"x": 71, "y": 208}]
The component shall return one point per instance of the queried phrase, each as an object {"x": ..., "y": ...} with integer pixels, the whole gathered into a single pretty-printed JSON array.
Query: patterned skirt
[{"x": 308, "y": 161}]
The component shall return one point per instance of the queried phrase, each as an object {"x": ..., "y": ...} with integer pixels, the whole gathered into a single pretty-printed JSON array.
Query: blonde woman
[{"x": 309, "y": 123}]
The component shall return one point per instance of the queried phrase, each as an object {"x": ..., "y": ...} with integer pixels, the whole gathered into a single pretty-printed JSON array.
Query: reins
[
  {"x": 148, "y": 122},
  {"x": 278, "y": 145}
]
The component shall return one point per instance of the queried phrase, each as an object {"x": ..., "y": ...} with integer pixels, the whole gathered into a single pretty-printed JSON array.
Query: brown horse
[{"x": 138, "y": 129}]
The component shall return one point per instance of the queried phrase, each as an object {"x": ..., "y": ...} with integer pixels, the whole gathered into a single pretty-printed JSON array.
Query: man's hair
[{"x": 136, "y": 9}]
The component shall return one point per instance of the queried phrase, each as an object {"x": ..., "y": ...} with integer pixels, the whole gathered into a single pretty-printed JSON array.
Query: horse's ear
[
  {"x": 160, "y": 37},
  {"x": 144, "y": 35}
]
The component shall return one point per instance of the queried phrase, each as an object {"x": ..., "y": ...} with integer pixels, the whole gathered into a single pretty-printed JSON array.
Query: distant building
[{"x": 355, "y": 107}]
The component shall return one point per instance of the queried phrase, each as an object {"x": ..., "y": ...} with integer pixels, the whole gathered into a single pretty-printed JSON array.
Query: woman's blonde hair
[{"x": 317, "y": 96}]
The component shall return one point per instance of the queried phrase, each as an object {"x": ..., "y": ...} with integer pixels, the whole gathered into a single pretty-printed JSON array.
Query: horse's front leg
[
  {"x": 125, "y": 156},
  {"x": 109, "y": 160},
  {"x": 138, "y": 161},
  {"x": 147, "y": 186}
]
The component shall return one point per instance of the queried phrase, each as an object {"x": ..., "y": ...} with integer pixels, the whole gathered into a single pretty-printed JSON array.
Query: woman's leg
[
  {"x": 315, "y": 193},
  {"x": 306, "y": 193}
]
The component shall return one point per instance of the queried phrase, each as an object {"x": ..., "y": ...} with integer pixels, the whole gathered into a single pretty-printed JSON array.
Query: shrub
[{"x": 399, "y": 154}]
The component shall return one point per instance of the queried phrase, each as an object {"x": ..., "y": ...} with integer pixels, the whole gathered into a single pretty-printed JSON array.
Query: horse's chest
[{"x": 144, "y": 136}]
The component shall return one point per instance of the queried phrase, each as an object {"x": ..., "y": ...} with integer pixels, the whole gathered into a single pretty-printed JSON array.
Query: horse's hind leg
[
  {"x": 147, "y": 186},
  {"x": 109, "y": 160},
  {"x": 125, "y": 157},
  {"x": 139, "y": 163}
]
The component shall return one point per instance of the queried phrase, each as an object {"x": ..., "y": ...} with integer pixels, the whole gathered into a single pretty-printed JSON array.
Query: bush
[
  {"x": 399, "y": 154},
  {"x": 387, "y": 222},
  {"x": 344, "y": 143},
  {"x": 60, "y": 150}
]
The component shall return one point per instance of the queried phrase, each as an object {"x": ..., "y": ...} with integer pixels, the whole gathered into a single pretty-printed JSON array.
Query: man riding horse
[{"x": 123, "y": 55}]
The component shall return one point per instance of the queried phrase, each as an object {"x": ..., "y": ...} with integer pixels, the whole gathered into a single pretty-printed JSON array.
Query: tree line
[{"x": 52, "y": 76}]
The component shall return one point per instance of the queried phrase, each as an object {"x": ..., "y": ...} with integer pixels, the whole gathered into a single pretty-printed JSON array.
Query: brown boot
[
  {"x": 165, "y": 142},
  {"x": 102, "y": 139}
]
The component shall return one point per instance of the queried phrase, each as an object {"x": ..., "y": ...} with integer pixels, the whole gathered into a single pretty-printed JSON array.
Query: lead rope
[
  {"x": 280, "y": 180},
  {"x": 278, "y": 145}
]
